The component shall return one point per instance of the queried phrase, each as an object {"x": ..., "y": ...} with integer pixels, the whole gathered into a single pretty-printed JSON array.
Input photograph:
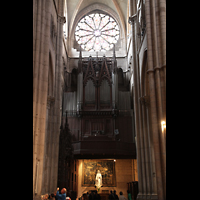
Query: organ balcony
[
  {"x": 103, "y": 146},
  {"x": 98, "y": 110}
]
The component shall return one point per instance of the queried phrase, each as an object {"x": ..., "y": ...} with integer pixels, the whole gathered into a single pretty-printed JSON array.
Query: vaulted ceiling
[{"x": 75, "y": 6}]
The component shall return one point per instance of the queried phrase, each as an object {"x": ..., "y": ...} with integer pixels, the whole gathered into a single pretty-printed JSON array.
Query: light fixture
[
  {"x": 114, "y": 160},
  {"x": 163, "y": 124}
]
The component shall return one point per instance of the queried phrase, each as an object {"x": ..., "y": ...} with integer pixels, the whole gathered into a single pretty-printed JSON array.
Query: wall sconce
[{"x": 163, "y": 124}]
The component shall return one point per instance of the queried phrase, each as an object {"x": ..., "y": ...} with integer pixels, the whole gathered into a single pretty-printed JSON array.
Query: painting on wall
[{"x": 106, "y": 168}]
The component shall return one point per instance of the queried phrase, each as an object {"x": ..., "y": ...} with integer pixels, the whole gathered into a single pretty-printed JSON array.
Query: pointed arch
[
  {"x": 90, "y": 74},
  {"x": 105, "y": 74},
  {"x": 120, "y": 16}
]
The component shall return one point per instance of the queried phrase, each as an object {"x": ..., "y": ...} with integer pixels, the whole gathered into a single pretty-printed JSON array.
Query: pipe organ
[{"x": 97, "y": 108}]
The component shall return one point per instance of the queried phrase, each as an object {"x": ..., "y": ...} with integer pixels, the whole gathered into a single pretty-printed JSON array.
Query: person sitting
[{"x": 61, "y": 196}]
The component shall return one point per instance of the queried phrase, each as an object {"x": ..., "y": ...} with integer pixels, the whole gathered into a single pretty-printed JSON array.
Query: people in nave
[
  {"x": 129, "y": 195},
  {"x": 84, "y": 196},
  {"x": 61, "y": 196},
  {"x": 121, "y": 196},
  {"x": 115, "y": 195},
  {"x": 111, "y": 196}
]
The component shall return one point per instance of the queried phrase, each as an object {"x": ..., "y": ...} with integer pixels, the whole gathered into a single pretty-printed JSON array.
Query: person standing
[
  {"x": 111, "y": 196},
  {"x": 84, "y": 197},
  {"x": 129, "y": 195},
  {"x": 121, "y": 196},
  {"x": 88, "y": 195},
  {"x": 96, "y": 196},
  {"x": 61, "y": 196},
  {"x": 115, "y": 195},
  {"x": 91, "y": 196}
]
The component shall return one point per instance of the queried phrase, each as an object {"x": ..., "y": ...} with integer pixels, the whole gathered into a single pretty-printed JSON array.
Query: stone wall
[{"x": 48, "y": 23}]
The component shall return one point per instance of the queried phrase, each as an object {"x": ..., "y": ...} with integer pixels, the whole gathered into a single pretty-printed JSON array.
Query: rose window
[{"x": 97, "y": 32}]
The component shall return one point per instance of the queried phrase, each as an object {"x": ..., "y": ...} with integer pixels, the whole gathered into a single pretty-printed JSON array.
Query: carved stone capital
[
  {"x": 156, "y": 68},
  {"x": 132, "y": 19},
  {"x": 61, "y": 19}
]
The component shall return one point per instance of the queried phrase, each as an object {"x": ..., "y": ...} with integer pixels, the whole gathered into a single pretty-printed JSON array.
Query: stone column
[
  {"x": 144, "y": 133},
  {"x": 161, "y": 27},
  {"x": 36, "y": 49},
  {"x": 47, "y": 178},
  {"x": 139, "y": 142},
  {"x": 58, "y": 96},
  {"x": 153, "y": 187},
  {"x": 40, "y": 86},
  {"x": 155, "y": 113},
  {"x": 149, "y": 151}
]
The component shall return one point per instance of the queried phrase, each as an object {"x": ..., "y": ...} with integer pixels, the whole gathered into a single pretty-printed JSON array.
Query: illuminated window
[{"x": 97, "y": 32}]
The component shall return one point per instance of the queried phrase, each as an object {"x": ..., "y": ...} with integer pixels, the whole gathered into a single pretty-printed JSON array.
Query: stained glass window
[{"x": 97, "y": 32}]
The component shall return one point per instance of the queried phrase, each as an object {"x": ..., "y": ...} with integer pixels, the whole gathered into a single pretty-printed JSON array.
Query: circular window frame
[
  {"x": 73, "y": 45},
  {"x": 94, "y": 34}
]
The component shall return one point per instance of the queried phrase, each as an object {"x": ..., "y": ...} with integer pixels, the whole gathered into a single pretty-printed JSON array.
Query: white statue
[{"x": 98, "y": 181}]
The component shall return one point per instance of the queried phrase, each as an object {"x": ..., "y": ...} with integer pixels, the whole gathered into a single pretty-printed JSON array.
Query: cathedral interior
[{"x": 99, "y": 97}]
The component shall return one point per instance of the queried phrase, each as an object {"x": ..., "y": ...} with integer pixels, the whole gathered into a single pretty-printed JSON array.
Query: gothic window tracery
[{"x": 97, "y": 32}]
